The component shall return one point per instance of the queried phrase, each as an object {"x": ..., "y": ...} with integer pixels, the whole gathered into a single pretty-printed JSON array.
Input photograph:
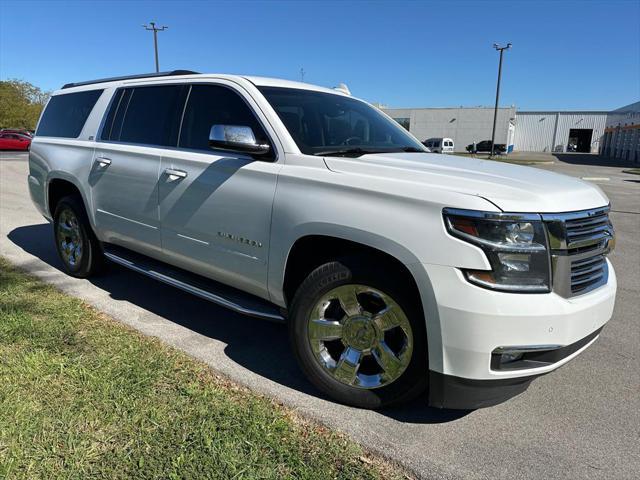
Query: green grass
[
  {"x": 82, "y": 396},
  {"x": 635, "y": 171}
]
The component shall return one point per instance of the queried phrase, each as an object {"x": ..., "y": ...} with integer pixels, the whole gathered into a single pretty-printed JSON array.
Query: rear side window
[
  {"x": 66, "y": 114},
  {"x": 113, "y": 122},
  {"x": 210, "y": 105},
  {"x": 145, "y": 115}
]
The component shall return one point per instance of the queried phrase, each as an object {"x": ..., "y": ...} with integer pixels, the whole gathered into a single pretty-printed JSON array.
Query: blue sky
[{"x": 566, "y": 55}]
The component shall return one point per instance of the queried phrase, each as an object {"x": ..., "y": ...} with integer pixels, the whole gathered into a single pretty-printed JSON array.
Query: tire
[
  {"x": 329, "y": 362},
  {"x": 77, "y": 246}
]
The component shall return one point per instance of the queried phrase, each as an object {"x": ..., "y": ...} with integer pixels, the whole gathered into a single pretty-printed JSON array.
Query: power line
[{"x": 155, "y": 31}]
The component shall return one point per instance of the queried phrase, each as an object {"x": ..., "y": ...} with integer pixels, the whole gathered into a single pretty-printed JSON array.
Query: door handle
[
  {"x": 103, "y": 161},
  {"x": 175, "y": 174}
]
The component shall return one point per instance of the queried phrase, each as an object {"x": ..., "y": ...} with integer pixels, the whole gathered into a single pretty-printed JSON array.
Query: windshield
[{"x": 330, "y": 124}]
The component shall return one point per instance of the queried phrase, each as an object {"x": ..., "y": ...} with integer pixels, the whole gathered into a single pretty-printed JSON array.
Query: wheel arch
[
  {"x": 313, "y": 249},
  {"x": 59, "y": 185}
]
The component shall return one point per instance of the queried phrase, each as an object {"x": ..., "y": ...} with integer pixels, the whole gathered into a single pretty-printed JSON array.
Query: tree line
[{"x": 20, "y": 104}]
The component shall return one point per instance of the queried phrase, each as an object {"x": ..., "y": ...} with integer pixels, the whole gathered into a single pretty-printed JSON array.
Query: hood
[{"x": 512, "y": 188}]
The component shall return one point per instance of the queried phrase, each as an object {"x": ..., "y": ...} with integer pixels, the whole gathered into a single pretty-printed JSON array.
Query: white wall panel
[
  {"x": 549, "y": 131},
  {"x": 463, "y": 125}
]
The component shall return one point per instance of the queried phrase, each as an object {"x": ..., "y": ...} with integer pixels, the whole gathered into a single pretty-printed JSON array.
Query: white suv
[{"x": 396, "y": 270}]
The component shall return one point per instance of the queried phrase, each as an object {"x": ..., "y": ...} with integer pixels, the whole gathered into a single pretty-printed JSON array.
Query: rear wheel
[
  {"x": 359, "y": 334},
  {"x": 77, "y": 245}
]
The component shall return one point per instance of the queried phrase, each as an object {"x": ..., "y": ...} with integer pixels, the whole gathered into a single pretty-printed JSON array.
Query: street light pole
[
  {"x": 495, "y": 111},
  {"x": 155, "y": 39}
]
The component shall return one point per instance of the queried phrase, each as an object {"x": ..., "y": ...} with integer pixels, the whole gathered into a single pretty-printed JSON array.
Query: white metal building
[
  {"x": 463, "y": 125},
  {"x": 559, "y": 131},
  {"x": 549, "y": 131}
]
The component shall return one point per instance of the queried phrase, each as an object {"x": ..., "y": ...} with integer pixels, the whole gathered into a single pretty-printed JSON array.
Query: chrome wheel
[
  {"x": 360, "y": 336},
  {"x": 69, "y": 238}
]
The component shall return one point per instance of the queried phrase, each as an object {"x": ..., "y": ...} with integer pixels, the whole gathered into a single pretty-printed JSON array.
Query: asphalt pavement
[{"x": 580, "y": 422}]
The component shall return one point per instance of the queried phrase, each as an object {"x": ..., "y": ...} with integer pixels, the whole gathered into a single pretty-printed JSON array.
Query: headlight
[{"x": 515, "y": 245}]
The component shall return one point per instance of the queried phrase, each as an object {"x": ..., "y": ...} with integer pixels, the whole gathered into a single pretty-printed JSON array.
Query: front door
[{"x": 215, "y": 206}]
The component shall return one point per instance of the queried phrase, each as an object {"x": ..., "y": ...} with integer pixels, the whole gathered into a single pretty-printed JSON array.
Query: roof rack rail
[{"x": 130, "y": 77}]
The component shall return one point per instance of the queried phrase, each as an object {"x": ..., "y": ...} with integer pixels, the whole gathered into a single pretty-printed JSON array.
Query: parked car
[
  {"x": 18, "y": 131},
  {"x": 14, "y": 141},
  {"x": 485, "y": 146},
  {"x": 394, "y": 271},
  {"x": 439, "y": 145}
]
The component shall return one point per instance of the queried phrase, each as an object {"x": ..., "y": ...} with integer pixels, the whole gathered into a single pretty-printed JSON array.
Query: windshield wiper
[
  {"x": 347, "y": 152},
  {"x": 412, "y": 150},
  {"x": 359, "y": 151}
]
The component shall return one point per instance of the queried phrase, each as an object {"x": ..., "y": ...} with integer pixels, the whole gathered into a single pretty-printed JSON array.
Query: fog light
[{"x": 509, "y": 357}]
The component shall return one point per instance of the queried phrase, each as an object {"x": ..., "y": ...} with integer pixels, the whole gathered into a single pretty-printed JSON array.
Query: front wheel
[{"x": 359, "y": 335}]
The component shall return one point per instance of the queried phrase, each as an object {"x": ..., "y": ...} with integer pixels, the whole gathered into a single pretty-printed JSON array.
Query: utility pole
[
  {"x": 155, "y": 31},
  {"x": 495, "y": 111}
]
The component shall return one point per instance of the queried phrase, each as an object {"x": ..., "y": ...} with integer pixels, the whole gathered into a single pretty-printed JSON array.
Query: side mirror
[{"x": 236, "y": 138}]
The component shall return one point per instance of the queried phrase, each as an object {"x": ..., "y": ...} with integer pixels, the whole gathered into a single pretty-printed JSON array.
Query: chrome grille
[
  {"x": 587, "y": 272},
  {"x": 579, "y": 242},
  {"x": 589, "y": 231}
]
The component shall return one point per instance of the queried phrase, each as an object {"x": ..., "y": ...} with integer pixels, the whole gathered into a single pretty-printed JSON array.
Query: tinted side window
[
  {"x": 107, "y": 127},
  {"x": 150, "y": 116},
  {"x": 65, "y": 114},
  {"x": 210, "y": 105}
]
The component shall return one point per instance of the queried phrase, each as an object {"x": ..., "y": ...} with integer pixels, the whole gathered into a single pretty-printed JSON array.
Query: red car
[
  {"x": 14, "y": 141},
  {"x": 18, "y": 131}
]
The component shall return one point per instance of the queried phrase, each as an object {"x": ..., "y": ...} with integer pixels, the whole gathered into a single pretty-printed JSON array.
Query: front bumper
[
  {"x": 448, "y": 391},
  {"x": 473, "y": 322}
]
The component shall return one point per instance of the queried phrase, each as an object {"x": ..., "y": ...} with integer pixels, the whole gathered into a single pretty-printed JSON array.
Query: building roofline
[
  {"x": 447, "y": 108},
  {"x": 575, "y": 112}
]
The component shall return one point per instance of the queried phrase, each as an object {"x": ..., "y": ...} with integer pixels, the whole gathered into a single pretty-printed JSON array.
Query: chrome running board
[{"x": 215, "y": 292}]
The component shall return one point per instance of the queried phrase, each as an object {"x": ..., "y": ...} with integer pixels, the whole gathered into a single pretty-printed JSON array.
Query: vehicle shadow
[
  {"x": 258, "y": 345},
  {"x": 593, "y": 160}
]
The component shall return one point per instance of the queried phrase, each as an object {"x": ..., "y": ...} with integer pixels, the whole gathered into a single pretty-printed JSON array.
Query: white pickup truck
[{"x": 397, "y": 271}]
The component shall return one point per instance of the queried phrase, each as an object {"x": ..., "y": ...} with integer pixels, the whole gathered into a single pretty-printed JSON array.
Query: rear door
[
  {"x": 215, "y": 206},
  {"x": 449, "y": 145},
  {"x": 124, "y": 176}
]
